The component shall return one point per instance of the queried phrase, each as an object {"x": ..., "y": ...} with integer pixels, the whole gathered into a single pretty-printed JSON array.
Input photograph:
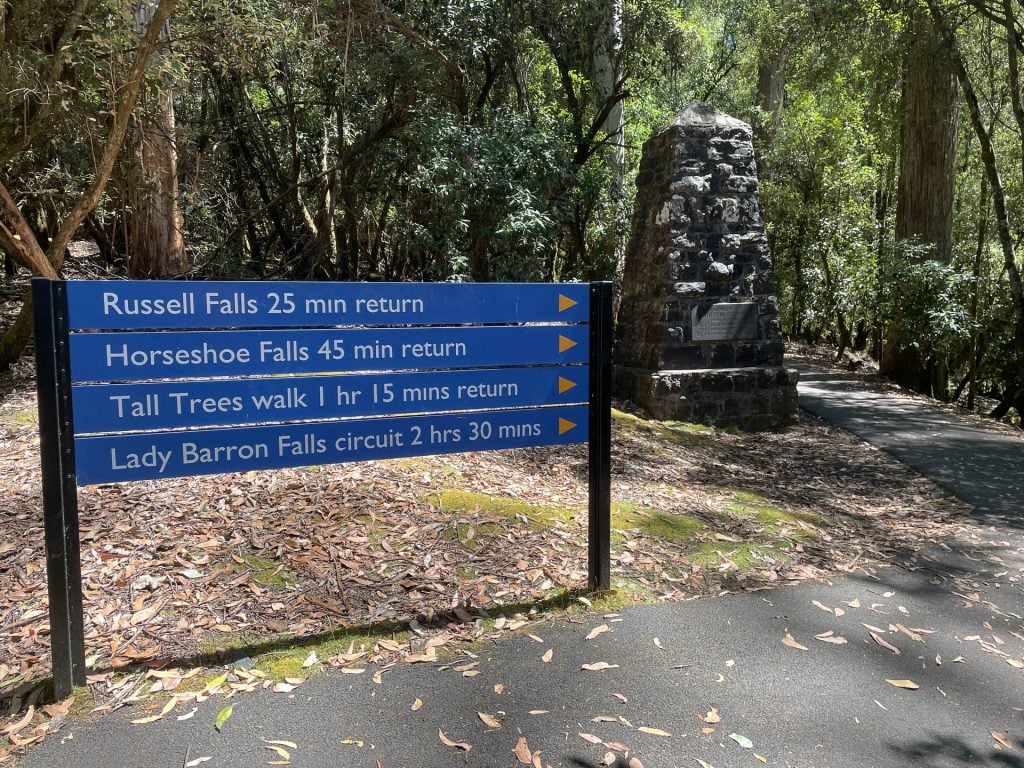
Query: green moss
[
  {"x": 654, "y": 522},
  {"x": 749, "y": 503},
  {"x": 746, "y": 555},
  {"x": 84, "y": 702},
  {"x": 501, "y": 506},
  {"x": 22, "y": 418},
  {"x": 623, "y": 594},
  {"x": 695, "y": 436},
  {"x": 695, "y": 429},
  {"x": 217, "y": 644},
  {"x": 267, "y": 572},
  {"x": 278, "y": 665}
]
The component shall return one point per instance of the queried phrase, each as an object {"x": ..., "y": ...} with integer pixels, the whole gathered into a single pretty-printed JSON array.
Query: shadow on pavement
[{"x": 947, "y": 752}]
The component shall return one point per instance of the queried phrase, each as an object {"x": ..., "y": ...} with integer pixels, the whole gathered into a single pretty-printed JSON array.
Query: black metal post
[
  {"x": 600, "y": 440},
  {"x": 60, "y": 488}
]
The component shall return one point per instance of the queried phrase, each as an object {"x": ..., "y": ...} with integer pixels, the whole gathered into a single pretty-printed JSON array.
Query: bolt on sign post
[{"x": 140, "y": 380}]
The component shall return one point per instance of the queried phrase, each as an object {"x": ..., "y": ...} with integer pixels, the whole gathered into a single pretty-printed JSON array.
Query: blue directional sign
[
  {"x": 167, "y": 405},
  {"x": 130, "y": 305},
  {"x": 146, "y": 456},
  {"x": 199, "y": 354}
]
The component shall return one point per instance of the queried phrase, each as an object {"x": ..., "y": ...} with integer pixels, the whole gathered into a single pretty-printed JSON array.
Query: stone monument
[{"x": 698, "y": 336}]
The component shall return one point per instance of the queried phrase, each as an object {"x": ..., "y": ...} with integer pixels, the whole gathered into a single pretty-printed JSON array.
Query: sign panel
[
  {"x": 146, "y": 456},
  {"x": 725, "y": 321},
  {"x": 129, "y": 305},
  {"x": 165, "y": 405},
  {"x": 199, "y": 354}
]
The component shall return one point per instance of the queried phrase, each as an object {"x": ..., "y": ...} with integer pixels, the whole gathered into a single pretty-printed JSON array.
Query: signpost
[{"x": 140, "y": 380}]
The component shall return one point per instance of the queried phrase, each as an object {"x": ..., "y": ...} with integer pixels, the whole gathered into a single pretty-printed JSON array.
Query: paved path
[
  {"x": 827, "y": 706},
  {"x": 981, "y": 466}
]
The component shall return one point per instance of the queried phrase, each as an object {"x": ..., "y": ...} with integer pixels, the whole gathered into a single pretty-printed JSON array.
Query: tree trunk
[
  {"x": 771, "y": 97},
  {"x": 924, "y": 205},
  {"x": 156, "y": 248},
  {"x": 607, "y": 81},
  {"x": 979, "y": 254}
]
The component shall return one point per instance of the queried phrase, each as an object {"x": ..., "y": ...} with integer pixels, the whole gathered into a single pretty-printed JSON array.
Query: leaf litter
[{"x": 169, "y": 567}]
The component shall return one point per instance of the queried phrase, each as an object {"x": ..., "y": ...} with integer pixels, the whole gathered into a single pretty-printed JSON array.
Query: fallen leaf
[
  {"x": 15, "y": 727},
  {"x": 141, "y": 617},
  {"x": 620, "y": 697},
  {"x": 608, "y": 759},
  {"x": 882, "y": 642},
  {"x": 188, "y": 715},
  {"x": 310, "y": 660},
  {"x": 657, "y": 644},
  {"x": 540, "y": 712},
  {"x": 853, "y": 603},
  {"x": 590, "y": 738},
  {"x": 352, "y": 670},
  {"x": 597, "y": 666},
  {"x": 499, "y": 689},
  {"x": 353, "y": 742},
  {"x": 456, "y": 744},
  {"x": 823, "y": 607},
  {"x": 712, "y": 716},
  {"x": 743, "y": 741},
  {"x": 222, "y": 716},
  {"x": 282, "y": 742},
  {"x": 1003, "y": 739},
  {"x": 487, "y": 720},
  {"x": 703, "y": 764},
  {"x": 197, "y": 761},
  {"x": 522, "y": 751},
  {"x": 634, "y": 762},
  {"x": 830, "y": 637},
  {"x": 416, "y": 705},
  {"x": 792, "y": 643},
  {"x": 1016, "y": 663},
  {"x": 653, "y": 731},
  {"x": 283, "y": 688},
  {"x": 910, "y": 633},
  {"x": 596, "y": 631},
  {"x": 604, "y": 719},
  {"x": 150, "y": 719},
  {"x": 548, "y": 655},
  {"x": 280, "y": 751},
  {"x": 909, "y": 685}
]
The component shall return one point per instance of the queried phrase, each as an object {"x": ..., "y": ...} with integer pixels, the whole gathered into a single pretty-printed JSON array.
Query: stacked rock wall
[{"x": 698, "y": 335}]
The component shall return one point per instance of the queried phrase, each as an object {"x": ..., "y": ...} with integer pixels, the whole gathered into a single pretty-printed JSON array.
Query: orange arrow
[
  {"x": 564, "y": 303},
  {"x": 565, "y": 344},
  {"x": 564, "y": 385},
  {"x": 564, "y": 425}
]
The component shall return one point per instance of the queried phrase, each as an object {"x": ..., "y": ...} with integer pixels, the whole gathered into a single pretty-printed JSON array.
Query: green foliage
[{"x": 464, "y": 140}]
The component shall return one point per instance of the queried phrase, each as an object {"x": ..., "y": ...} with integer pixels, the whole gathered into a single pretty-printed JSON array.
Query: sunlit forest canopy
[{"x": 494, "y": 140}]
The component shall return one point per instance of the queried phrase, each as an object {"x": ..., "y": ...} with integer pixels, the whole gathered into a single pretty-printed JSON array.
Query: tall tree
[
  {"x": 925, "y": 195},
  {"x": 153, "y": 219}
]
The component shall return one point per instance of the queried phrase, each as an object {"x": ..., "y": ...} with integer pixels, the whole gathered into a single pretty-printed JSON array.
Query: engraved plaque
[{"x": 724, "y": 322}]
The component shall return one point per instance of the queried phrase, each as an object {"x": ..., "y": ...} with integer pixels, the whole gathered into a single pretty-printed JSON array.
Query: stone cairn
[{"x": 698, "y": 336}]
